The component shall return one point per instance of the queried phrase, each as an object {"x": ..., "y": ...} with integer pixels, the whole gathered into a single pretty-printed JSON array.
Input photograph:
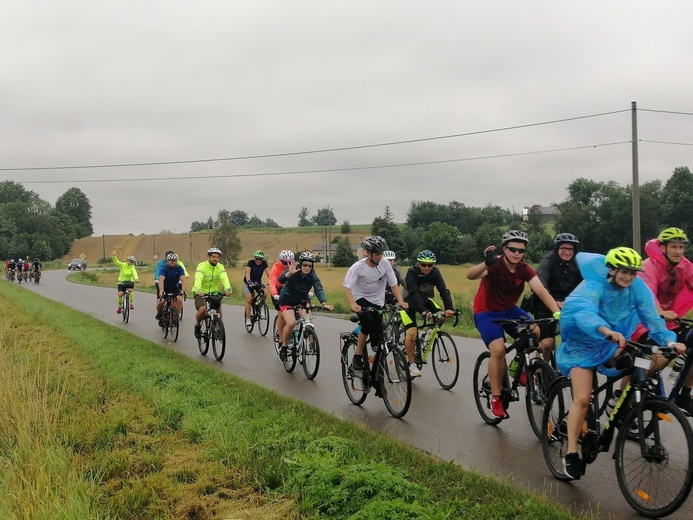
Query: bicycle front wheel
[
  {"x": 126, "y": 307},
  {"x": 446, "y": 362},
  {"x": 203, "y": 340},
  {"x": 482, "y": 389},
  {"x": 655, "y": 472},
  {"x": 395, "y": 383},
  {"x": 173, "y": 323},
  {"x": 311, "y": 353},
  {"x": 554, "y": 427},
  {"x": 263, "y": 319},
  {"x": 540, "y": 375},
  {"x": 353, "y": 385},
  {"x": 275, "y": 334},
  {"x": 218, "y": 334}
]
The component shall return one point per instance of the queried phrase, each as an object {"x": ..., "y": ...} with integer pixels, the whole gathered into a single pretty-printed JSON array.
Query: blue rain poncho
[{"x": 595, "y": 303}]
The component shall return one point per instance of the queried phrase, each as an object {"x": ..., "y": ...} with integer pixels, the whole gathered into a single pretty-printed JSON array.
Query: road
[{"x": 443, "y": 423}]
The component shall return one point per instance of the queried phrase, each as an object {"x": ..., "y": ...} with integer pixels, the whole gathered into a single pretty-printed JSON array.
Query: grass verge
[{"x": 139, "y": 431}]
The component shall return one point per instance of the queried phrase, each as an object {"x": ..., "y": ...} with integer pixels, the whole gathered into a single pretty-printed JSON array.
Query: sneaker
[
  {"x": 248, "y": 322},
  {"x": 132, "y": 306},
  {"x": 414, "y": 371},
  {"x": 572, "y": 466},
  {"x": 685, "y": 403},
  {"x": 282, "y": 352},
  {"x": 118, "y": 310},
  {"x": 157, "y": 317},
  {"x": 198, "y": 332},
  {"x": 497, "y": 408},
  {"x": 523, "y": 378},
  {"x": 356, "y": 369}
]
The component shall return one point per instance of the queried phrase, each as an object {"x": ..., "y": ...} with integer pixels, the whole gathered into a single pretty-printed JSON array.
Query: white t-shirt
[{"x": 369, "y": 282}]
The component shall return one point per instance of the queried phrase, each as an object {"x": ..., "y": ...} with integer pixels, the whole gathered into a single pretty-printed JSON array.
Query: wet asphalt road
[{"x": 440, "y": 422}]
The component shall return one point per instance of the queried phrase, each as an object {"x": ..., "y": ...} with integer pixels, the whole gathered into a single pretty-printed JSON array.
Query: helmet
[
  {"x": 307, "y": 256},
  {"x": 672, "y": 234},
  {"x": 213, "y": 250},
  {"x": 426, "y": 256},
  {"x": 286, "y": 256},
  {"x": 169, "y": 252},
  {"x": 131, "y": 259},
  {"x": 259, "y": 254},
  {"x": 563, "y": 238},
  {"x": 624, "y": 258},
  {"x": 171, "y": 256},
  {"x": 374, "y": 244},
  {"x": 514, "y": 235},
  {"x": 389, "y": 255}
]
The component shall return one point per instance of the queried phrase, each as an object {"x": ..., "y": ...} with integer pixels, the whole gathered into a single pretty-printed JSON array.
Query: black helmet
[
  {"x": 563, "y": 238},
  {"x": 374, "y": 244}
]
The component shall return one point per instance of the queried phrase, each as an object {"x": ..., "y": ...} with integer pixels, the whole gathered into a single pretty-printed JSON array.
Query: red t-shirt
[{"x": 500, "y": 289}]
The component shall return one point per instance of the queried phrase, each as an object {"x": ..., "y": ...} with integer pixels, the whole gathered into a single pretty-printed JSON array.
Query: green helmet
[
  {"x": 624, "y": 258},
  {"x": 672, "y": 234},
  {"x": 426, "y": 257},
  {"x": 259, "y": 254}
]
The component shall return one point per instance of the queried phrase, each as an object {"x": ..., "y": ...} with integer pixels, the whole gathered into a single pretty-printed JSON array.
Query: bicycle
[
  {"x": 387, "y": 370},
  {"x": 531, "y": 371},
  {"x": 303, "y": 346},
  {"x": 37, "y": 277},
  {"x": 212, "y": 328},
  {"x": 170, "y": 320},
  {"x": 259, "y": 313},
  {"x": 431, "y": 339},
  {"x": 19, "y": 277},
  {"x": 125, "y": 301},
  {"x": 653, "y": 450}
]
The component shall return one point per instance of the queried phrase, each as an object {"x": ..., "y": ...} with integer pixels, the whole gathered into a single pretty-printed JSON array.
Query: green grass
[{"x": 139, "y": 431}]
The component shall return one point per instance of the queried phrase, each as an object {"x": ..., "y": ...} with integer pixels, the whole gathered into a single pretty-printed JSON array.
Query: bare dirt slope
[{"x": 192, "y": 247}]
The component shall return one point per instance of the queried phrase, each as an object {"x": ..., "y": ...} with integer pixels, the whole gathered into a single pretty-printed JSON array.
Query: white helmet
[
  {"x": 389, "y": 255},
  {"x": 286, "y": 256},
  {"x": 132, "y": 259},
  {"x": 213, "y": 250}
]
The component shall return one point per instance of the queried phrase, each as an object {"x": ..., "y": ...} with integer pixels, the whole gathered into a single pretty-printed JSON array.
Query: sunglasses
[
  {"x": 426, "y": 265},
  {"x": 258, "y": 259},
  {"x": 516, "y": 250},
  {"x": 307, "y": 265},
  {"x": 566, "y": 249}
]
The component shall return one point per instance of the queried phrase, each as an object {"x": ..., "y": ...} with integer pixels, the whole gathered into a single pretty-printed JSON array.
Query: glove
[
  {"x": 557, "y": 315},
  {"x": 491, "y": 258},
  {"x": 276, "y": 297}
]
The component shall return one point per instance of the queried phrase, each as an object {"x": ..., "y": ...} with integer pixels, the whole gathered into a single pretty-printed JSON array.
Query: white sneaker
[
  {"x": 248, "y": 322},
  {"x": 414, "y": 370}
]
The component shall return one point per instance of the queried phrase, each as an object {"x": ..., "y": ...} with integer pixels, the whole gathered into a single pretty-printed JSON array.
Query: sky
[{"x": 165, "y": 112}]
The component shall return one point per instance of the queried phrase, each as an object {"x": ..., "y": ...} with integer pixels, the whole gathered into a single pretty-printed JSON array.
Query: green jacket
[
  {"x": 208, "y": 278},
  {"x": 128, "y": 273}
]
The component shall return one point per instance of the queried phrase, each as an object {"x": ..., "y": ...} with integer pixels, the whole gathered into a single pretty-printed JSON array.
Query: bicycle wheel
[
  {"x": 203, "y": 340},
  {"x": 446, "y": 362},
  {"x": 290, "y": 361},
  {"x": 173, "y": 323},
  {"x": 395, "y": 383},
  {"x": 126, "y": 307},
  {"x": 540, "y": 375},
  {"x": 482, "y": 389},
  {"x": 311, "y": 353},
  {"x": 166, "y": 320},
  {"x": 218, "y": 334},
  {"x": 655, "y": 474},
  {"x": 275, "y": 334},
  {"x": 249, "y": 321},
  {"x": 554, "y": 426},
  {"x": 263, "y": 319},
  {"x": 352, "y": 385}
]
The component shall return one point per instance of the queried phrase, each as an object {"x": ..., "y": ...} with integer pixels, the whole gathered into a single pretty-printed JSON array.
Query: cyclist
[
  {"x": 252, "y": 280},
  {"x": 172, "y": 279},
  {"x": 26, "y": 267},
  {"x": 209, "y": 276},
  {"x": 128, "y": 273},
  {"x": 298, "y": 280},
  {"x": 596, "y": 319},
  {"x": 559, "y": 273},
  {"x": 285, "y": 258},
  {"x": 37, "y": 267},
  {"x": 391, "y": 257},
  {"x": 669, "y": 274},
  {"x": 12, "y": 267},
  {"x": 161, "y": 264},
  {"x": 421, "y": 280},
  {"x": 364, "y": 286},
  {"x": 502, "y": 282}
]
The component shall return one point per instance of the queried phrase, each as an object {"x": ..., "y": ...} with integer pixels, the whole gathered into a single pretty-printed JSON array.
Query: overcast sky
[{"x": 87, "y": 83}]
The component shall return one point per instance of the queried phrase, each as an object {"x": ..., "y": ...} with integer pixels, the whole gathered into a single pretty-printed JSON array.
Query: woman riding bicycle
[
  {"x": 127, "y": 276},
  {"x": 596, "y": 319},
  {"x": 252, "y": 280},
  {"x": 285, "y": 258}
]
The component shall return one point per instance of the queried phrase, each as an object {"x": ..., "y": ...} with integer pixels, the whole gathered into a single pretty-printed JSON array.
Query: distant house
[
  {"x": 547, "y": 213},
  {"x": 321, "y": 251}
]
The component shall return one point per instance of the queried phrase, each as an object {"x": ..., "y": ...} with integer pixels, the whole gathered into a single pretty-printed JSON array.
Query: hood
[
  {"x": 655, "y": 254},
  {"x": 592, "y": 267}
]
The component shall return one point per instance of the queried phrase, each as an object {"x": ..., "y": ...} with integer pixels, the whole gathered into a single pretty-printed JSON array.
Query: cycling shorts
[
  {"x": 123, "y": 286},
  {"x": 248, "y": 290},
  {"x": 201, "y": 302},
  {"x": 492, "y": 331},
  {"x": 409, "y": 316}
]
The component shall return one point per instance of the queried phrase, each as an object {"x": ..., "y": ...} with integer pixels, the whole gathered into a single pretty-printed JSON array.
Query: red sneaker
[
  {"x": 118, "y": 310},
  {"x": 523, "y": 378},
  {"x": 132, "y": 307},
  {"x": 497, "y": 408}
]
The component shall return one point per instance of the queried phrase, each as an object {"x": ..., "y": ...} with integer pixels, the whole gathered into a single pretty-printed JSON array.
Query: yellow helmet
[
  {"x": 672, "y": 234},
  {"x": 624, "y": 258}
]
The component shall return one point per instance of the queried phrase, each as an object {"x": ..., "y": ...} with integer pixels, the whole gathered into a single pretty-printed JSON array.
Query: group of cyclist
[{"x": 28, "y": 269}]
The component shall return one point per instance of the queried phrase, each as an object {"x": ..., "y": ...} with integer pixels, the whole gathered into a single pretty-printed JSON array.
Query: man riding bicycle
[
  {"x": 209, "y": 276},
  {"x": 597, "y": 318},
  {"x": 128, "y": 273},
  {"x": 37, "y": 267},
  {"x": 422, "y": 278},
  {"x": 172, "y": 281},
  {"x": 161, "y": 264},
  {"x": 364, "y": 286},
  {"x": 252, "y": 280}
]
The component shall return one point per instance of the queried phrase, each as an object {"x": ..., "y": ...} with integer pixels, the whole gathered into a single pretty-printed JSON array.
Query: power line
[
  {"x": 665, "y": 112},
  {"x": 306, "y": 152},
  {"x": 355, "y": 168},
  {"x": 665, "y": 142}
]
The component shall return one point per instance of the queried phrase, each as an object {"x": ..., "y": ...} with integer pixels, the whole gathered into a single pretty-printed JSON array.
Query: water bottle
[
  {"x": 611, "y": 404},
  {"x": 512, "y": 370},
  {"x": 678, "y": 365},
  {"x": 295, "y": 338}
]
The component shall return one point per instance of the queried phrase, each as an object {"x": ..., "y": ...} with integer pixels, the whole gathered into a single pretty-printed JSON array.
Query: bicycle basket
[{"x": 128, "y": 284}]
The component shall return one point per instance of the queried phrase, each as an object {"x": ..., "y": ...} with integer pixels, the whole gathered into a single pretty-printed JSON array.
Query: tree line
[{"x": 31, "y": 227}]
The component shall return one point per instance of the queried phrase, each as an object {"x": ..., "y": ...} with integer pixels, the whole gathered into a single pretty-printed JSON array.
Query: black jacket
[{"x": 420, "y": 288}]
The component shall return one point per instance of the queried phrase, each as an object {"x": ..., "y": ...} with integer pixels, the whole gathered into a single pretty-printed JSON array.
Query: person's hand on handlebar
[
  {"x": 327, "y": 307},
  {"x": 679, "y": 347},
  {"x": 356, "y": 308}
]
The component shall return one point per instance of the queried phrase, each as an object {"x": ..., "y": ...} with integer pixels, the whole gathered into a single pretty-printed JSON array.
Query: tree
[
  {"x": 211, "y": 223},
  {"x": 385, "y": 227},
  {"x": 343, "y": 255},
  {"x": 346, "y": 227},
  {"x": 677, "y": 199},
  {"x": 75, "y": 204},
  {"x": 225, "y": 237},
  {"x": 239, "y": 218},
  {"x": 11, "y": 191},
  {"x": 255, "y": 222},
  {"x": 487, "y": 234},
  {"x": 534, "y": 219},
  {"x": 271, "y": 223},
  {"x": 324, "y": 217},
  {"x": 303, "y": 218},
  {"x": 197, "y": 226},
  {"x": 444, "y": 240}
]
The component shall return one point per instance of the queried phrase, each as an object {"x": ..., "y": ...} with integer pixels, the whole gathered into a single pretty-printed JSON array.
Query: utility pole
[
  {"x": 636, "y": 182},
  {"x": 329, "y": 235}
]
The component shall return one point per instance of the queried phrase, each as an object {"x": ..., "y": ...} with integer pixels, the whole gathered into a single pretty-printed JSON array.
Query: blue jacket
[{"x": 595, "y": 303}]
